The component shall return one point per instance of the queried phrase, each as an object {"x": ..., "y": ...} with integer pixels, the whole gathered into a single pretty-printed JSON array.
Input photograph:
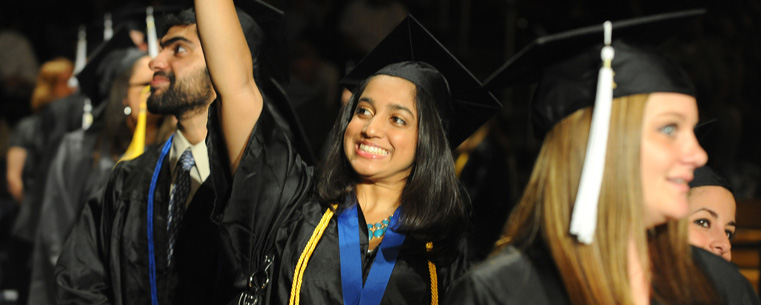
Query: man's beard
[{"x": 189, "y": 94}]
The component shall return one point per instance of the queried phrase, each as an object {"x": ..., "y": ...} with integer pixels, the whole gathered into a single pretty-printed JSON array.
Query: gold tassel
[{"x": 137, "y": 146}]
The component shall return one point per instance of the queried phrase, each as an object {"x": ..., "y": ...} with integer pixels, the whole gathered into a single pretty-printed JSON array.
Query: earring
[{"x": 127, "y": 110}]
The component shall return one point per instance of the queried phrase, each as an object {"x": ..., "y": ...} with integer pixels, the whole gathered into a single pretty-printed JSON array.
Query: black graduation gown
[
  {"x": 512, "y": 277},
  {"x": 72, "y": 177},
  {"x": 26, "y": 135},
  {"x": 266, "y": 212},
  {"x": 105, "y": 258},
  {"x": 486, "y": 177},
  {"x": 55, "y": 120}
]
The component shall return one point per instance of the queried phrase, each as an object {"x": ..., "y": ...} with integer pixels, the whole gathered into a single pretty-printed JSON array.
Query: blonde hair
[
  {"x": 595, "y": 273},
  {"x": 678, "y": 279},
  {"x": 52, "y": 73}
]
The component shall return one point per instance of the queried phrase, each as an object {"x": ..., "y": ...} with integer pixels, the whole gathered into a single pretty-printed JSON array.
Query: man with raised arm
[{"x": 148, "y": 238}]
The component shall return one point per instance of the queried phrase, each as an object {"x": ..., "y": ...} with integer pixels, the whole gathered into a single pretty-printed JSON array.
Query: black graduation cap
[
  {"x": 264, "y": 29},
  {"x": 278, "y": 98},
  {"x": 467, "y": 106},
  {"x": 96, "y": 77},
  {"x": 136, "y": 13},
  {"x": 566, "y": 65},
  {"x": 252, "y": 14},
  {"x": 273, "y": 45},
  {"x": 273, "y": 64},
  {"x": 706, "y": 176}
]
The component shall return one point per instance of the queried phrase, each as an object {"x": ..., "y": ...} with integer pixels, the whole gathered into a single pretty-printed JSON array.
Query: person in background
[
  {"x": 51, "y": 85},
  {"x": 25, "y": 148},
  {"x": 147, "y": 236},
  {"x": 712, "y": 213},
  {"x": 86, "y": 157},
  {"x": 105, "y": 256},
  {"x": 56, "y": 119},
  {"x": 18, "y": 73}
]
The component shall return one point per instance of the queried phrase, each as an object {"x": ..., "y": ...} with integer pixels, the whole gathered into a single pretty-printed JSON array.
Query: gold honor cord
[
  {"x": 467, "y": 147},
  {"x": 298, "y": 274},
  {"x": 459, "y": 164},
  {"x": 434, "y": 277},
  {"x": 137, "y": 145},
  {"x": 301, "y": 265}
]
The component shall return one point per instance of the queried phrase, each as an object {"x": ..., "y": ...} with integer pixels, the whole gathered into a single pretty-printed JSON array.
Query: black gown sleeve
[
  {"x": 81, "y": 271},
  {"x": 731, "y": 285},
  {"x": 61, "y": 205},
  {"x": 254, "y": 206},
  {"x": 510, "y": 277}
]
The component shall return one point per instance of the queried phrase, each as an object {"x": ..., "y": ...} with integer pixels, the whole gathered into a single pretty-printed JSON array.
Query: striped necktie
[{"x": 178, "y": 198}]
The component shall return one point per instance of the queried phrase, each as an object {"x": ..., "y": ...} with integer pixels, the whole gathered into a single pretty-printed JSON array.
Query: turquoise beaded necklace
[{"x": 378, "y": 229}]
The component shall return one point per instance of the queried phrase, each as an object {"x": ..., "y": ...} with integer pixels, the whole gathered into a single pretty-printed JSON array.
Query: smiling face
[
  {"x": 381, "y": 138},
  {"x": 181, "y": 81},
  {"x": 669, "y": 155},
  {"x": 712, "y": 219}
]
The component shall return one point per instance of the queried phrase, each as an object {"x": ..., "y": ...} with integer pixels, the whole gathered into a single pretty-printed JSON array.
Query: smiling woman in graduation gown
[{"x": 286, "y": 241}]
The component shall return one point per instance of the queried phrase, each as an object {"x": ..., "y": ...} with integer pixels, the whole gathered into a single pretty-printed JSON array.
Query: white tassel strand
[
  {"x": 584, "y": 217},
  {"x": 108, "y": 27},
  {"x": 81, "y": 59},
  {"x": 150, "y": 25}
]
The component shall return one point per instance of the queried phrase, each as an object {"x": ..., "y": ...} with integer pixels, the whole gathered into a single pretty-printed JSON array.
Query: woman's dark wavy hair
[
  {"x": 433, "y": 206},
  {"x": 115, "y": 135}
]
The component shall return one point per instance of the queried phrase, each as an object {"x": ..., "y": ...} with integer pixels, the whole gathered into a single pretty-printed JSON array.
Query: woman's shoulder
[
  {"x": 731, "y": 285},
  {"x": 511, "y": 268},
  {"x": 510, "y": 277},
  {"x": 313, "y": 211}
]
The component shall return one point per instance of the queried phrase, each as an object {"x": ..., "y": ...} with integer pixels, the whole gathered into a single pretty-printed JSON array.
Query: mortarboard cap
[
  {"x": 566, "y": 65},
  {"x": 273, "y": 46},
  {"x": 263, "y": 27},
  {"x": 278, "y": 99},
  {"x": 96, "y": 77},
  {"x": 705, "y": 176},
  {"x": 459, "y": 92}
]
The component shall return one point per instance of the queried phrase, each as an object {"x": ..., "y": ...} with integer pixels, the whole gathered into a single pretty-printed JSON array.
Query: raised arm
[{"x": 230, "y": 66}]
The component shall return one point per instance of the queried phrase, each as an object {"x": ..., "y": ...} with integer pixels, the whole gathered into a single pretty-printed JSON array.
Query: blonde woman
[{"x": 632, "y": 253}]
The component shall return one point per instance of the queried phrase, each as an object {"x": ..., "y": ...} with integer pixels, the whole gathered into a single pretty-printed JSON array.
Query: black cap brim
[
  {"x": 567, "y": 65},
  {"x": 275, "y": 46},
  {"x": 526, "y": 66}
]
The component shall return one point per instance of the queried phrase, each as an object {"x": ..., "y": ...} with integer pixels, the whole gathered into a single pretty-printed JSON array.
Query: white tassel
[
  {"x": 150, "y": 27},
  {"x": 584, "y": 217},
  {"x": 81, "y": 58},
  {"x": 87, "y": 116},
  {"x": 108, "y": 28}
]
